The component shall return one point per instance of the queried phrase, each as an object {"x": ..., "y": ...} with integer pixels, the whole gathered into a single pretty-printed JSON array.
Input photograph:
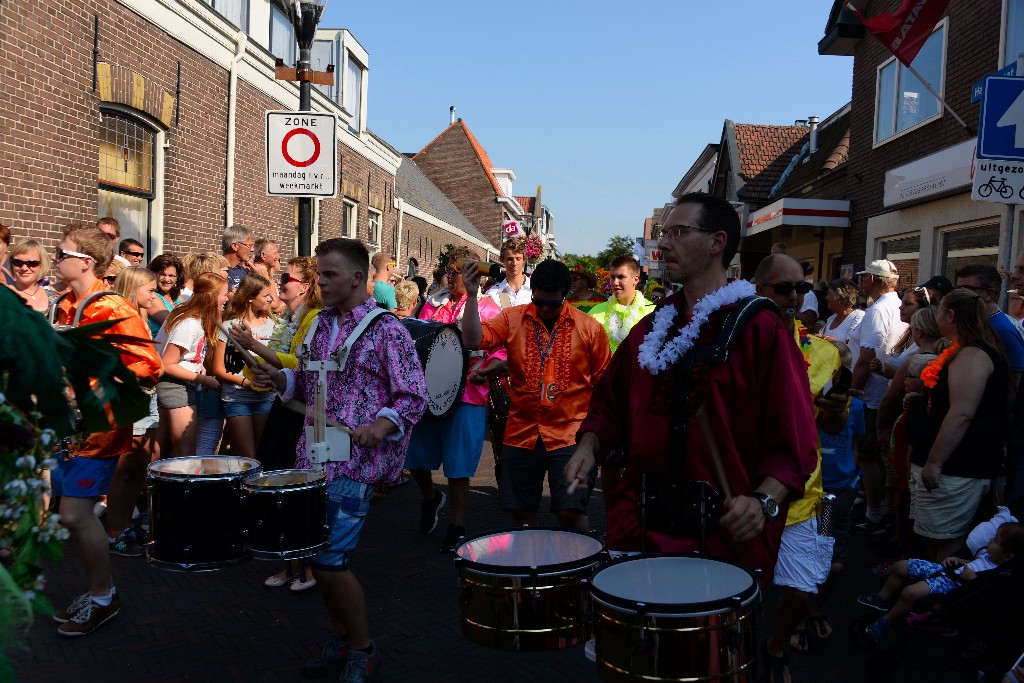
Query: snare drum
[
  {"x": 525, "y": 589},
  {"x": 196, "y": 507},
  {"x": 286, "y": 514},
  {"x": 673, "y": 617},
  {"x": 444, "y": 359}
]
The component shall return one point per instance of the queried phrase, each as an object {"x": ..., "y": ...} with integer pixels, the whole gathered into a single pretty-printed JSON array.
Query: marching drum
[
  {"x": 525, "y": 589},
  {"x": 196, "y": 507},
  {"x": 675, "y": 617},
  {"x": 286, "y": 514},
  {"x": 444, "y": 359}
]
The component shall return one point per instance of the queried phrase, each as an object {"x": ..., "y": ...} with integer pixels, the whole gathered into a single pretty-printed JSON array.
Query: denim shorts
[
  {"x": 238, "y": 404},
  {"x": 347, "y": 504},
  {"x": 82, "y": 477}
]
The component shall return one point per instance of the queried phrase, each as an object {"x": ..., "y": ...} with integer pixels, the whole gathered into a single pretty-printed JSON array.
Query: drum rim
[
  {"x": 528, "y": 570},
  {"x": 745, "y": 596},
  {"x": 156, "y": 473},
  {"x": 319, "y": 482},
  {"x": 465, "y": 364}
]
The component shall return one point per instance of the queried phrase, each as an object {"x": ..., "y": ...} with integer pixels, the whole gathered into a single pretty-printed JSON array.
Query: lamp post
[{"x": 305, "y": 15}]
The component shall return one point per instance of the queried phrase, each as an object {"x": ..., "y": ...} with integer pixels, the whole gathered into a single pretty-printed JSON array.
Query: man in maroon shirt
[{"x": 755, "y": 400}]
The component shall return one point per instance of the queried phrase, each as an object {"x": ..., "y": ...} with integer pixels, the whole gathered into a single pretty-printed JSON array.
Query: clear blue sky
[{"x": 604, "y": 104}]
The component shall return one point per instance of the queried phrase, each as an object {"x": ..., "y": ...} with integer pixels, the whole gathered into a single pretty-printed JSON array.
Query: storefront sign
[{"x": 934, "y": 174}]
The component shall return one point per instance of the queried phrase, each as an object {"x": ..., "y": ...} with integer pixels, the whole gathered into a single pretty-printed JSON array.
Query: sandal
[
  {"x": 798, "y": 641},
  {"x": 819, "y": 623},
  {"x": 777, "y": 668}
]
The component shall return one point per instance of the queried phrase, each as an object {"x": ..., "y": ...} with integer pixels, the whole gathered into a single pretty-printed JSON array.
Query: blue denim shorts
[
  {"x": 82, "y": 477},
  {"x": 237, "y": 404},
  {"x": 347, "y": 504}
]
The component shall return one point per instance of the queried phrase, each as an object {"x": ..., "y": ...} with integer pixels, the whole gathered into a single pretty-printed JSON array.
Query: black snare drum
[
  {"x": 286, "y": 514},
  {"x": 196, "y": 507}
]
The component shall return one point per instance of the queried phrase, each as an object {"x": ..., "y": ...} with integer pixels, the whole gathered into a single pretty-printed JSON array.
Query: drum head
[
  {"x": 664, "y": 583},
  {"x": 519, "y": 550},
  {"x": 202, "y": 466},
  {"x": 279, "y": 479},
  {"x": 445, "y": 372}
]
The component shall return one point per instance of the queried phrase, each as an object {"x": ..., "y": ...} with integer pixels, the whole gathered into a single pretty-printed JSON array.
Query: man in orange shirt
[
  {"x": 556, "y": 354},
  {"x": 80, "y": 260}
]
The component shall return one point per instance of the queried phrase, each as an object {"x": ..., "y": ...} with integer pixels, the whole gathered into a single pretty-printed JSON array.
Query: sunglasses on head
[
  {"x": 785, "y": 288},
  {"x": 547, "y": 303},
  {"x": 286, "y": 278},
  {"x": 927, "y": 295},
  {"x": 18, "y": 263},
  {"x": 61, "y": 254}
]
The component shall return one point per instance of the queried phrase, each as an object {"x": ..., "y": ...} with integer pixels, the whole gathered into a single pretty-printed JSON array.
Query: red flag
[{"x": 905, "y": 31}]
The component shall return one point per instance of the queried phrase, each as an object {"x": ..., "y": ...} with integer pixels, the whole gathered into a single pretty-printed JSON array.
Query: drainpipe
[
  {"x": 812, "y": 121},
  {"x": 240, "y": 43},
  {"x": 400, "y": 203}
]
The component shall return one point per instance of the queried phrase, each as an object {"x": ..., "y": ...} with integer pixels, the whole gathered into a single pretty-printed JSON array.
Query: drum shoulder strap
[
  {"x": 364, "y": 324},
  {"x": 506, "y": 300}
]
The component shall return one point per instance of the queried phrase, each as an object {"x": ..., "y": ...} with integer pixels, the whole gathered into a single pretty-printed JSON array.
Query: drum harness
[
  {"x": 668, "y": 503},
  {"x": 326, "y": 443}
]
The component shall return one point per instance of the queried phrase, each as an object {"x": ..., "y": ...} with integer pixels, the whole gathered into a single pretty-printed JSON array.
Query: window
[
  {"x": 349, "y": 219},
  {"x": 322, "y": 55},
  {"x": 235, "y": 11},
  {"x": 413, "y": 268},
  {"x": 905, "y": 253},
  {"x": 968, "y": 247},
  {"x": 373, "y": 225},
  {"x": 126, "y": 175},
  {"x": 282, "y": 35},
  {"x": 1013, "y": 45},
  {"x": 353, "y": 92},
  {"x": 902, "y": 102}
]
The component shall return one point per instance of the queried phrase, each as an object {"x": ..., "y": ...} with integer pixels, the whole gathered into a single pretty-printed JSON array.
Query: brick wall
[
  {"x": 452, "y": 165},
  {"x": 972, "y": 50},
  {"x": 425, "y": 242}
]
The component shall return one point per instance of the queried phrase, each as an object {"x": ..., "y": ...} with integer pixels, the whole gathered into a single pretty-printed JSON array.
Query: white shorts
[{"x": 805, "y": 557}]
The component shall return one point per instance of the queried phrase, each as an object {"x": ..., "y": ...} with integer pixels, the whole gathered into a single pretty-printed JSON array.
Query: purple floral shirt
[{"x": 382, "y": 375}]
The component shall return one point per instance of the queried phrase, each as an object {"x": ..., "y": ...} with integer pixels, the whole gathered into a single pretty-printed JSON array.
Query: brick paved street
[{"x": 226, "y": 626}]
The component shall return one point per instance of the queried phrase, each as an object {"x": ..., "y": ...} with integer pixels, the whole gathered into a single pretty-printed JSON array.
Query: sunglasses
[
  {"x": 61, "y": 254},
  {"x": 786, "y": 288},
  {"x": 452, "y": 271},
  {"x": 286, "y": 278},
  {"x": 18, "y": 263},
  {"x": 927, "y": 296},
  {"x": 136, "y": 254},
  {"x": 109, "y": 279},
  {"x": 547, "y": 303}
]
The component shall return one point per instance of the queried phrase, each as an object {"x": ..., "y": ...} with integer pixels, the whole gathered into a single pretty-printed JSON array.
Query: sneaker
[
  {"x": 90, "y": 617},
  {"x": 362, "y": 666},
  {"x": 452, "y": 537},
  {"x": 878, "y": 630},
  {"x": 872, "y": 528},
  {"x": 79, "y": 603},
  {"x": 875, "y": 602},
  {"x": 124, "y": 546},
  {"x": 330, "y": 662},
  {"x": 430, "y": 510}
]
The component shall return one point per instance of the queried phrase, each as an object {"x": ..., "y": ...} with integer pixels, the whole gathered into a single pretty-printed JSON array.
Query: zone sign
[{"x": 301, "y": 154}]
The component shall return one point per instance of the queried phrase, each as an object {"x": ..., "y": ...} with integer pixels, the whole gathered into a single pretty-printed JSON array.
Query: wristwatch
[{"x": 768, "y": 504}]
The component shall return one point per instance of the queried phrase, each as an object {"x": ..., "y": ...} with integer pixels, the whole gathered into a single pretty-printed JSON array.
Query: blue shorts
[
  {"x": 521, "y": 479},
  {"x": 249, "y": 403},
  {"x": 457, "y": 441},
  {"x": 82, "y": 477},
  {"x": 923, "y": 570},
  {"x": 347, "y": 504}
]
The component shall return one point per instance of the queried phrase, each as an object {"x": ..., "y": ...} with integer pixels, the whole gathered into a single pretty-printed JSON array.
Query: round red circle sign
[{"x": 288, "y": 157}]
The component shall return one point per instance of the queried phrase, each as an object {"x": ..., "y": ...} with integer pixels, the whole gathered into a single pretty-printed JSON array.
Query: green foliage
[
  {"x": 445, "y": 256},
  {"x": 620, "y": 245}
]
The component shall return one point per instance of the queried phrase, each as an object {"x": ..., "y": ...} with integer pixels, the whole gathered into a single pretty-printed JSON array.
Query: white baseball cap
[{"x": 881, "y": 268}]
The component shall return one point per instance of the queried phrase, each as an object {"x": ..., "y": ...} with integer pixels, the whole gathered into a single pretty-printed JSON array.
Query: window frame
[
  {"x": 142, "y": 123},
  {"x": 945, "y": 232},
  {"x": 356, "y": 123},
  {"x": 293, "y": 46},
  {"x": 374, "y": 217},
  {"x": 351, "y": 228},
  {"x": 1004, "y": 27},
  {"x": 246, "y": 12},
  {"x": 940, "y": 88}
]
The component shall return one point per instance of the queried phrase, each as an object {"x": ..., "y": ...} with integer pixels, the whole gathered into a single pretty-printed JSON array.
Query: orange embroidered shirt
[
  {"x": 142, "y": 359},
  {"x": 550, "y": 399}
]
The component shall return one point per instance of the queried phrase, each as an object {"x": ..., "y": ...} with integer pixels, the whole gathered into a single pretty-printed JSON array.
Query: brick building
[
  {"x": 162, "y": 125},
  {"x": 909, "y": 173}
]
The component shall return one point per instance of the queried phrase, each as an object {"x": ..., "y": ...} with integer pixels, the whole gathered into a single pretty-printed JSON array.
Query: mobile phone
[{"x": 840, "y": 383}]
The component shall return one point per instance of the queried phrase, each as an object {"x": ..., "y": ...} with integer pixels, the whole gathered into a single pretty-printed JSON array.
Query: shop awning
[{"x": 818, "y": 213}]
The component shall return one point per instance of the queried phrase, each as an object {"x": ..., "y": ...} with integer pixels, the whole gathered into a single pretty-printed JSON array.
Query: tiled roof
[
  {"x": 416, "y": 189},
  {"x": 833, "y": 151},
  {"x": 481, "y": 153},
  {"x": 527, "y": 203},
  {"x": 764, "y": 152}
]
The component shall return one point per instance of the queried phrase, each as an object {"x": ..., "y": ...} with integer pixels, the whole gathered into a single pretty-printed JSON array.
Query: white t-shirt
[
  {"x": 233, "y": 362},
  {"x": 187, "y": 334},
  {"x": 523, "y": 296},
  {"x": 810, "y": 302},
  {"x": 846, "y": 331},
  {"x": 879, "y": 331}
]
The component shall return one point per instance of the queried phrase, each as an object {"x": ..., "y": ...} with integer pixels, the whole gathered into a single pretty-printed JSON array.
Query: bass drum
[
  {"x": 444, "y": 359},
  {"x": 675, "y": 618}
]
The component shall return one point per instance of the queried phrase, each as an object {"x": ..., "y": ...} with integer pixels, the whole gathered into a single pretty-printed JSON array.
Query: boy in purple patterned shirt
[{"x": 380, "y": 393}]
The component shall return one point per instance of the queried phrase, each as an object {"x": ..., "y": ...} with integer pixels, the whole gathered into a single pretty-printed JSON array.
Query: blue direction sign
[
  {"x": 978, "y": 89},
  {"x": 1001, "y": 133}
]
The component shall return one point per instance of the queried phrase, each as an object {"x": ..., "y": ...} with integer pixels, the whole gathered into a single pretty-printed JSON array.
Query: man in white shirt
[
  {"x": 877, "y": 334},
  {"x": 514, "y": 290}
]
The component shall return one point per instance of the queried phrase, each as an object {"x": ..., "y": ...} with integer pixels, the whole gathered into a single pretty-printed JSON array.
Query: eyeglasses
[
  {"x": 450, "y": 272},
  {"x": 927, "y": 295},
  {"x": 286, "y": 278},
  {"x": 61, "y": 254},
  {"x": 136, "y": 254},
  {"x": 674, "y": 231},
  {"x": 109, "y": 279},
  {"x": 247, "y": 245},
  {"x": 547, "y": 303},
  {"x": 785, "y": 288},
  {"x": 18, "y": 263}
]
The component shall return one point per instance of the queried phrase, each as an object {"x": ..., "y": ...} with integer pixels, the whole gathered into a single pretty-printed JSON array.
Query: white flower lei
[
  {"x": 619, "y": 324},
  {"x": 656, "y": 356},
  {"x": 285, "y": 330}
]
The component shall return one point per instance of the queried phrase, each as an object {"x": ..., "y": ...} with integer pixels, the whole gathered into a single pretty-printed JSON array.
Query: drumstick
[
  {"x": 572, "y": 487},
  {"x": 300, "y": 407},
  {"x": 716, "y": 456},
  {"x": 247, "y": 356}
]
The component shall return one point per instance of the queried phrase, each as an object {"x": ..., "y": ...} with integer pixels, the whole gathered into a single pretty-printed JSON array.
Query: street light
[{"x": 305, "y": 15}]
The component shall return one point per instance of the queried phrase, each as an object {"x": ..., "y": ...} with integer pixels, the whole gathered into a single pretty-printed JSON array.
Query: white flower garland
[
  {"x": 656, "y": 355},
  {"x": 622, "y": 318},
  {"x": 284, "y": 332}
]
